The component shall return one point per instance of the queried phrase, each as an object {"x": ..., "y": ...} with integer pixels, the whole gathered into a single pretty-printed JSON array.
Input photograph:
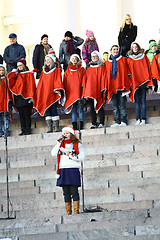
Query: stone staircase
[{"x": 121, "y": 184}]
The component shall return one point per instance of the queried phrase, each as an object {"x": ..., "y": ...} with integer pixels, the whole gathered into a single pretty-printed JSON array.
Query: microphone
[{"x": 61, "y": 138}]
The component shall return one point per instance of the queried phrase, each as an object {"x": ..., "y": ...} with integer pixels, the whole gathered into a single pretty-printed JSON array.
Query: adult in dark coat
[
  {"x": 40, "y": 51},
  {"x": 127, "y": 35},
  {"x": 68, "y": 47},
  {"x": 13, "y": 53},
  {"x": 1, "y": 59}
]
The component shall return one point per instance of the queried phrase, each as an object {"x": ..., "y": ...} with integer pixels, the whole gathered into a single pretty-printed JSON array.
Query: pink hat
[
  {"x": 22, "y": 60},
  {"x": 88, "y": 33}
]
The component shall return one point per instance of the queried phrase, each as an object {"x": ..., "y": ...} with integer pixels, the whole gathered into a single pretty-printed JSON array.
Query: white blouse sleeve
[
  {"x": 80, "y": 156},
  {"x": 55, "y": 149}
]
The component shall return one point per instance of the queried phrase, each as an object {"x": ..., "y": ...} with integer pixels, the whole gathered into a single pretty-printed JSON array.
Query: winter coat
[
  {"x": 1, "y": 59},
  {"x": 12, "y": 54},
  {"x": 63, "y": 56},
  {"x": 126, "y": 37},
  {"x": 38, "y": 58},
  {"x": 87, "y": 49}
]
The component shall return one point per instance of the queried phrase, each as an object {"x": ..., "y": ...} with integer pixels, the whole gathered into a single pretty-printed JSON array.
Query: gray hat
[{"x": 12, "y": 35}]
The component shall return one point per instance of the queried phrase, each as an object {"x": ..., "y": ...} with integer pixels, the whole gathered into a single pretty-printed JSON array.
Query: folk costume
[
  {"x": 74, "y": 82},
  {"x": 95, "y": 88},
  {"x": 22, "y": 85},
  {"x": 141, "y": 80},
  {"x": 4, "y": 104},
  {"x": 49, "y": 92},
  {"x": 155, "y": 70},
  {"x": 67, "y": 173},
  {"x": 118, "y": 86}
]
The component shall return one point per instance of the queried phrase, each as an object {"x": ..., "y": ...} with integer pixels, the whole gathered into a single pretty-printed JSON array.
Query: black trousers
[
  {"x": 69, "y": 192},
  {"x": 25, "y": 118},
  {"x": 94, "y": 115}
]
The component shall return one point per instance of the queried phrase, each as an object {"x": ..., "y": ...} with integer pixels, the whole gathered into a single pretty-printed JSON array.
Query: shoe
[
  {"x": 143, "y": 122},
  {"x": 74, "y": 124},
  {"x": 93, "y": 126},
  {"x": 21, "y": 134},
  {"x": 138, "y": 122},
  {"x": 123, "y": 124},
  {"x": 115, "y": 125},
  {"x": 101, "y": 125}
]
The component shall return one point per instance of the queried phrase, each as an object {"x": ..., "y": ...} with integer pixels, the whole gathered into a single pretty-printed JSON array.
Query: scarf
[
  {"x": 70, "y": 47},
  {"x": 114, "y": 66},
  {"x": 137, "y": 55},
  {"x": 150, "y": 55},
  {"x": 65, "y": 141},
  {"x": 46, "y": 48}
]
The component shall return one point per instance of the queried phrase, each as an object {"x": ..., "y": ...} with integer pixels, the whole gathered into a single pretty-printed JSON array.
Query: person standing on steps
[
  {"x": 68, "y": 47},
  {"x": 74, "y": 81},
  {"x": 118, "y": 85},
  {"x": 22, "y": 85},
  {"x": 141, "y": 80},
  {"x": 49, "y": 92},
  {"x": 4, "y": 102},
  {"x": 70, "y": 153},
  {"x": 13, "y": 53},
  {"x": 39, "y": 53},
  {"x": 127, "y": 35}
]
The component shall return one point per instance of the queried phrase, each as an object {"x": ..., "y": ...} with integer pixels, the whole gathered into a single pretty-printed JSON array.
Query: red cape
[
  {"x": 96, "y": 83},
  {"x": 122, "y": 81},
  {"x": 4, "y": 96},
  {"x": 74, "y": 81},
  {"x": 155, "y": 67},
  {"x": 48, "y": 90},
  {"x": 22, "y": 84},
  {"x": 140, "y": 74}
]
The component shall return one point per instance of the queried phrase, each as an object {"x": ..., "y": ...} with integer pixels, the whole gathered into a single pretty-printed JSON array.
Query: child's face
[
  {"x": 67, "y": 134},
  {"x": 105, "y": 56},
  {"x": 114, "y": 51},
  {"x": 95, "y": 58},
  {"x": 74, "y": 60},
  {"x": 2, "y": 71},
  {"x": 48, "y": 61},
  {"x": 20, "y": 66},
  {"x": 154, "y": 48},
  {"x": 135, "y": 48},
  {"x": 91, "y": 37}
]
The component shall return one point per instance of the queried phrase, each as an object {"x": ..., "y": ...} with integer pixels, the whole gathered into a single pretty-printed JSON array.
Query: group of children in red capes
[{"x": 111, "y": 80}]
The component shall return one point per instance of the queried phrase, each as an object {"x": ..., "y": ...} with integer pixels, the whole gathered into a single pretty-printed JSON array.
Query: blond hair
[
  {"x": 5, "y": 74},
  {"x": 124, "y": 21}
]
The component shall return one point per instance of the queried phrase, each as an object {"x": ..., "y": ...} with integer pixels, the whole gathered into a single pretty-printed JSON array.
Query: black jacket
[
  {"x": 126, "y": 37},
  {"x": 12, "y": 54},
  {"x": 1, "y": 59},
  {"x": 38, "y": 58}
]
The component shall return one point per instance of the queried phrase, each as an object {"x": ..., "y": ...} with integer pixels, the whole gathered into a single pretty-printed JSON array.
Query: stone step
[{"x": 47, "y": 236}]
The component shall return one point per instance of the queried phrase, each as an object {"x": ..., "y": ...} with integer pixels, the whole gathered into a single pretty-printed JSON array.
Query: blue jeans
[
  {"x": 119, "y": 108},
  {"x": 140, "y": 103},
  {"x": 77, "y": 106},
  {"x": 4, "y": 117},
  {"x": 52, "y": 110}
]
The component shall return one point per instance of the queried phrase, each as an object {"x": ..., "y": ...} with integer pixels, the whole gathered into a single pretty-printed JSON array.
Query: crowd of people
[{"x": 127, "y": 70}]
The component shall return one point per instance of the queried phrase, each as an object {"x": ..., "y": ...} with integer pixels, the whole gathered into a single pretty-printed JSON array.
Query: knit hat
[
  {"x": 22, "y": 60},
  {"x": 68, "y": 34},
  {"x": 51, "y": 51},
  {"x": 88, "y": 33},
  {"x": 51, "y": 56},
  {"x": 43, "y": 36},
  {"x": 68, "y": 129},
  {"x": 97, "y": 53},
  {"x": 153, "y": 43},
  {"x": 74, "y": 55}
]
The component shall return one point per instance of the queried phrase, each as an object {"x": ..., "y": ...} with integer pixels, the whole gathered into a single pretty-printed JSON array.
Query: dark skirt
[{"x": 69, "y": 176}]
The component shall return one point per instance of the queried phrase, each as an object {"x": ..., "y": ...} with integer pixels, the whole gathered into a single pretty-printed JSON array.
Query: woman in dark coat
[
  {"x": 127, "y": 35},
  {"x": 40, "y": 51},
  {"x": 68, "y": 47}
]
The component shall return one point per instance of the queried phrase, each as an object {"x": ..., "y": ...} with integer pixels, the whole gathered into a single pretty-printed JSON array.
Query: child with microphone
[{"x": 69, "y": 153}]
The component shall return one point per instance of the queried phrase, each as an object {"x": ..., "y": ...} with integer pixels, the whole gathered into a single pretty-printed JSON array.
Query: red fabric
[
  {"x": 155, "y": 67},
  {"x": 46, "y": 94},
  {"x": 140, "y": 74},
  {"x": 22, "y": 83},
  {"x": 122, "y": 81},
  {"x": 73, "y": 82},
  {"x": 65, "y": 141},
  {"x": 4, "y": 96},
  {"x": 96, "y": 83}
]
